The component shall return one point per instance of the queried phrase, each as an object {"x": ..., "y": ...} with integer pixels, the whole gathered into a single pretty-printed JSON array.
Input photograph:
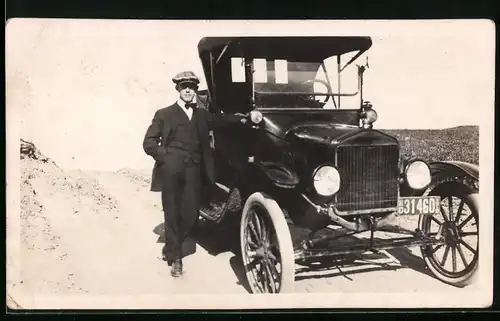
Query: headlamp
[
  {"x": 255, "y": 116},
  {"x": 417, "y": 174},
  {"x": 368, "y": 115},
  {"x": 326, "y": 180}
]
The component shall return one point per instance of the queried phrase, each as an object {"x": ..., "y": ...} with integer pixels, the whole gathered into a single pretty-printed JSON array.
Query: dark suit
[{"x": 183, "y": 165}]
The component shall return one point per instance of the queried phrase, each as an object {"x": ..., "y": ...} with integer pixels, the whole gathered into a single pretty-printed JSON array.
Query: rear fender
[{"x": 453, "y": 173}]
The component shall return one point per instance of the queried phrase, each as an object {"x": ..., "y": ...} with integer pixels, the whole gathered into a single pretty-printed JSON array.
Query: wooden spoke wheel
[
  {"x": 266, "y": 246},
  {"x": 455, "y": 261}
]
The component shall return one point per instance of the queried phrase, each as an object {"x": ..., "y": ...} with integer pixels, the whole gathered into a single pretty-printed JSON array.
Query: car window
[{"x": 305, "y": 83}]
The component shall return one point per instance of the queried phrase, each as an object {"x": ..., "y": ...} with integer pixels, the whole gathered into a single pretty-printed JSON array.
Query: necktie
[{"x": 190, "y": 105}]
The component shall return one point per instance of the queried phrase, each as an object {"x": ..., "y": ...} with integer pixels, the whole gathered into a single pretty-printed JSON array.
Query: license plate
[{"x": 424, "y": 205}]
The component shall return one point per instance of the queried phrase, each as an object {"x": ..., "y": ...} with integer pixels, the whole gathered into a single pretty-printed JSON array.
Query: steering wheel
[{"x": 326, "y": 84}]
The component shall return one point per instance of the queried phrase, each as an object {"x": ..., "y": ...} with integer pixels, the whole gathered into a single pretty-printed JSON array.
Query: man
[{"x": 178, "y": 140}]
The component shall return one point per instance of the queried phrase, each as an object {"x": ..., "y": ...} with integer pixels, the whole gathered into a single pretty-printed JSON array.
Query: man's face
[{"x": 187, "y": 91}]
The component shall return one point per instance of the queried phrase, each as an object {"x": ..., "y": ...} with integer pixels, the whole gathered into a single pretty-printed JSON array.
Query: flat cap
[{"x": 186, "y": 76}]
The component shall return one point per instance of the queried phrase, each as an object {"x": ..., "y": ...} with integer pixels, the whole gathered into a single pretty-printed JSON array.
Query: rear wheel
[
  {"x": 266, "y": 246},
  {"x": 455, "y": 261}
]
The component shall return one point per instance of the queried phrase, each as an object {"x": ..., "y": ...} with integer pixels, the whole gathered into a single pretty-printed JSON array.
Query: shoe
[
  {"x": 176, "y": 268},
  {"x": 164, "y": 258}
]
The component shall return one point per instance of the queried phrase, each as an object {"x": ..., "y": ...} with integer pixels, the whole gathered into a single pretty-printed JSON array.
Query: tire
[
  {"x": 458, "y": 245},
  {"x": 266, "y": 255}
]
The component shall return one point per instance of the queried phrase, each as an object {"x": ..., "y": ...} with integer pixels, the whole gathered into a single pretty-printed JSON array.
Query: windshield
[{"x": 294, "y": 84}]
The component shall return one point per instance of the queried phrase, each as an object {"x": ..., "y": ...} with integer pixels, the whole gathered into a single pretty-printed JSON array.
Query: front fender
[
  {"x": 454, "y": 172},
  {"x": 456, "y": 168},
  {"x": 260, "y": 176},
  {"x": 274, "y": 173}
]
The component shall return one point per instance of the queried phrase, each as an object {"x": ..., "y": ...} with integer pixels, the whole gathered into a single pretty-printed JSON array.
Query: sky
[{"x": 84, "y": 91}]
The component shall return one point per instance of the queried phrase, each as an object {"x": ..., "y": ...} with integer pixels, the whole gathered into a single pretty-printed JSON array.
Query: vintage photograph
[{"x": 249, "y": 164}]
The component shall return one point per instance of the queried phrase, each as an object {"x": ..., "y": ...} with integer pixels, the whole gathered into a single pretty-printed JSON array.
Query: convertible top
[
  {"x": 297, "y": 48},
  {"x": 291, "y": 48}
]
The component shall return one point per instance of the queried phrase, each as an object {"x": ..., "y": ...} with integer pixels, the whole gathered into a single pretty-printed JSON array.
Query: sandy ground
[{"x": 96, "y": 233}]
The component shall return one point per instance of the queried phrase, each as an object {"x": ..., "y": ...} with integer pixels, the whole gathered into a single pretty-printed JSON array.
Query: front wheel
[
  {"x": 266, "y": 246},
  {"x": 457, "y": 226}
]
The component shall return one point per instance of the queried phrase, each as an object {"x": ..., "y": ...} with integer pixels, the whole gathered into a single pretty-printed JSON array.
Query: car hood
[{"x": 331, "y": 135}]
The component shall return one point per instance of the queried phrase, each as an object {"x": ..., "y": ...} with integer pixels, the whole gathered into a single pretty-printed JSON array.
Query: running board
[
  {"x": 365, "y": 246},
  {"x": 218, "y": 205}
]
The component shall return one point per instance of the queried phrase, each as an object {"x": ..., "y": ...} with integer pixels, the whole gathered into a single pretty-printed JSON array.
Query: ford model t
[{"x": 308, "y": 156}]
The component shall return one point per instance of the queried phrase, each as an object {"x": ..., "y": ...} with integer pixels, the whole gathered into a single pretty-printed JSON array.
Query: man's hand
[{"x": 243, "y": 119}]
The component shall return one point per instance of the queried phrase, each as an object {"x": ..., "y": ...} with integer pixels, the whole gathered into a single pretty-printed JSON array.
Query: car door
[{"x": 230, "y": 144}]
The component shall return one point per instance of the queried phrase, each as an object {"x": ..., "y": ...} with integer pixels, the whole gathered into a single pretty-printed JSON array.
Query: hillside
[
  {"x": 457, "y": 143},
  {"x": 52, "y": 202}
]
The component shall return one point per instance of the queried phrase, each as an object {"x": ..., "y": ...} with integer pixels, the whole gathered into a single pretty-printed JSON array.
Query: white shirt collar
[{"x": 182, "y": 104}]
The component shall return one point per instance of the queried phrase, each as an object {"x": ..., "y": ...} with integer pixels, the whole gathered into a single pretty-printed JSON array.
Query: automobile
[{"x": 309, "y": 157}]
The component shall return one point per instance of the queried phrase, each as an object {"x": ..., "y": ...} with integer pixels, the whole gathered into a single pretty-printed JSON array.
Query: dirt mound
[
  {"x": 75, "y": 186},
  {"x": 37, "y": 169},
  {"x": 33, "y": 163},
  {"x": 32, "y": 211},
  {"x": 50, "y": 195},
  {"x": 28, "y": 150},
  {"x": 136, "y": 176}
]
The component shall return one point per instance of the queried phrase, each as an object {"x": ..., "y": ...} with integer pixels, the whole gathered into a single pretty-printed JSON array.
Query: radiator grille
[{"x": 369, "y": 177}]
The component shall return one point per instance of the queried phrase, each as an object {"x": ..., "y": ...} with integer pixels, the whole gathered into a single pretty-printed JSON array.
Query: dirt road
[{"x": 97, "y": 233}]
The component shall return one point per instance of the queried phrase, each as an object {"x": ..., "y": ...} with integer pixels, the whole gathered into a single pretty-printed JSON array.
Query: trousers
[{"x": 181, "y": 201}]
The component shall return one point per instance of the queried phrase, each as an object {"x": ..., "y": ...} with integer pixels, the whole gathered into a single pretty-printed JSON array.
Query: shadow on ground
[
  {"x": 362, "y": 263},
  {"x": 222, "y": 237},
  {"x": 217, "y": 238},
  {"x": 338, "y": 270},
  {"x": 188, "y": 248},
  {"x": 410, "y": 260}
]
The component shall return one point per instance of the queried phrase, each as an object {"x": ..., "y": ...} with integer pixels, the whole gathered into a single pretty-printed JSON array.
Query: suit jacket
[{"x": 156, "y": 139}]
